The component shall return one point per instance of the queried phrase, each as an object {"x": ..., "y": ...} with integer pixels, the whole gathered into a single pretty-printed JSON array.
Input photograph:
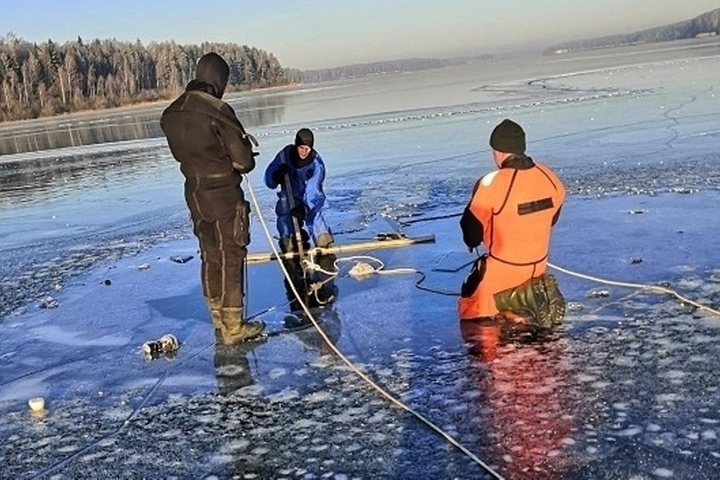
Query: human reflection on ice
[
  {"x": 232, "y": 367},
  {"x": 316, "y": 286},
  {"x": 527, "y": 394}
]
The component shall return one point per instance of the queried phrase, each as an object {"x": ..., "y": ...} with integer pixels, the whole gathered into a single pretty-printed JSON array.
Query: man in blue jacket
[{"x": 306, "y": 171}]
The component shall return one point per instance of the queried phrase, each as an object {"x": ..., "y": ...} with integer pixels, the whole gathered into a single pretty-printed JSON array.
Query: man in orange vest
[{"x": 511, "y": 213}]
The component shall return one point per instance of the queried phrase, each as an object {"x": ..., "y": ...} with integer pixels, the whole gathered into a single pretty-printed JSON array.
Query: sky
[{"x": 308, "y": 34}]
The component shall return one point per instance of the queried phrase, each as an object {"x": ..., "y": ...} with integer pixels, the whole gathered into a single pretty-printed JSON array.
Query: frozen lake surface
[{"x": 625, "y": 389}]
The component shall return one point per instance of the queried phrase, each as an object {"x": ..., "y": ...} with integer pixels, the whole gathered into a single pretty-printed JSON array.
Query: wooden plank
[{"x": 352, "y": 247}]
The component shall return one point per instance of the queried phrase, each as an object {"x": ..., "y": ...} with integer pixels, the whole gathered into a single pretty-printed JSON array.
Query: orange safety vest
[{"x": 515, "y": 207}]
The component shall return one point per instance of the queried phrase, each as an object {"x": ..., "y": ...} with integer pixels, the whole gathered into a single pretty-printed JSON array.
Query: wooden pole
[
  {"x": 298, "y": 233},
  {"x": 352, "y": 247}
]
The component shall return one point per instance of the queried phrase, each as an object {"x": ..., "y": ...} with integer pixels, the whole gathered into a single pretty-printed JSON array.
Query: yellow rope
[
  {"x": 349, "y": 363},
  {"x": 652, "y": 288}
]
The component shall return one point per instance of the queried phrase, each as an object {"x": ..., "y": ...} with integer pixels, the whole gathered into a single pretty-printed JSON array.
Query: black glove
[
  {"x": 299, "y": 212},
  {"x": 279, "y": 175}
]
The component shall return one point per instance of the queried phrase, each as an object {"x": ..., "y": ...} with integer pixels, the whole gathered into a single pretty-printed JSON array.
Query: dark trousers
[{"x": 223, "y": 248}]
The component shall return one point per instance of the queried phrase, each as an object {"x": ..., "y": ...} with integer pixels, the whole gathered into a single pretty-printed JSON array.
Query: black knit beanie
[
  {"x": 304, "y": 136},
  {"x": 508, "y": 137}
]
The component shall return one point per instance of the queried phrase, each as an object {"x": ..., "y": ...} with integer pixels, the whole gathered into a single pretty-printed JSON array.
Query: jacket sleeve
[
  {"x": 314, "y": 194},
  {"x": 472, "y": 229},
  {"x": 270, "y": 171},
  {"x": 558, "y": 194},
  {"x": 237, "y": 146},
  {"x": 556, "y": 217},
  {"x": 478, "y": 212}
]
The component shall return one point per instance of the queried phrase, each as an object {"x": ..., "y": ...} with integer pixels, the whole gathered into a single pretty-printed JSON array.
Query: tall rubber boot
[
  {"x": 328, "y": 291},
  {"x": 234, "y": 329},
  {"x": 556, "y": 301},
  {"x": 325, "y": 240},
  {"x": 529, "y": 297},
  {"x": 214, "y": 306}
]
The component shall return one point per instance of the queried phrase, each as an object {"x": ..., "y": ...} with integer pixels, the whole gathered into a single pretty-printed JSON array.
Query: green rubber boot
[
  {"x": 235, "y": 329},
  {"x": 541, "y": 296},
  {"x": 556, "y": 301}
]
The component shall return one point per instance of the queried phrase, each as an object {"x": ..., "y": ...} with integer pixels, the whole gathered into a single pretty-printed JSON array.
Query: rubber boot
[
  {"x": 325, "y": 240},
  {"x": 328, "y": 291},
  {"x": 556, "y": 301},
  {"x": 235, "y": 329},
  {"x": 529, "y": 296},
  {"x": 214, "y": 306},
  {"x": 289, "y": 244}
]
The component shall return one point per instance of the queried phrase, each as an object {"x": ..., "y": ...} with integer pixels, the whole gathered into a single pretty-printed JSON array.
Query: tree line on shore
[
  {"x": 707, "y": 24},
  {"x": 38, "y": 80},
  {"x": 49, "y": 78},
  {"x": 381, "y": 68}
]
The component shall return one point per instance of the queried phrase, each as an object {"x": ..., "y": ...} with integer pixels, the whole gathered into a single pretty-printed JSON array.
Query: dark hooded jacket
[{"x": 208, "y": 140}]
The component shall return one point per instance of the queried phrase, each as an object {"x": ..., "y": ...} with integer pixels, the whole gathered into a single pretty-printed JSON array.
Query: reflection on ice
[{"x": 622, "y": 389}]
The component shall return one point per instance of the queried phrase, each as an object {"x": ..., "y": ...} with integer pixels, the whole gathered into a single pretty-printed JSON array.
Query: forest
[
  {"x": 707, "y": 24},
  {"x": 46, "y": 79}
]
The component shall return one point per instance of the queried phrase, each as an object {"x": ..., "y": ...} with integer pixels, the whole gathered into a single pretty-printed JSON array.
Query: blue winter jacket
[{"x": 306, "y": 180}]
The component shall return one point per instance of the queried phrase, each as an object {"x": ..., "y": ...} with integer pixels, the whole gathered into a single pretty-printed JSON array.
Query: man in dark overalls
[{"x": 214, "y": 150}]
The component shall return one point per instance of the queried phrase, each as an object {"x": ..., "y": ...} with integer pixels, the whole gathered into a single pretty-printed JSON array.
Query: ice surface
[{"x": 625, "y": 389}]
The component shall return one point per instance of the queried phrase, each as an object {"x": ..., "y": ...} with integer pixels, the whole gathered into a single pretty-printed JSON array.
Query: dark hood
[{"x": 211, "y": 75}]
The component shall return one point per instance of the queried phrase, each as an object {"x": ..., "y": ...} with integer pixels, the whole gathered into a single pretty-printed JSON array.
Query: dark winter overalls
[{"x": 210, "y": 143}]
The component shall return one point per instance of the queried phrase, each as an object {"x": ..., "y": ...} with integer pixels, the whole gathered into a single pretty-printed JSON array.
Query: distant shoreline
[{"x": 131, "y": 108}]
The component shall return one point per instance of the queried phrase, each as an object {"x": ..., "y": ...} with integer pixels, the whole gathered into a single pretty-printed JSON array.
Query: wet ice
[{"x": 622, "y": 387}]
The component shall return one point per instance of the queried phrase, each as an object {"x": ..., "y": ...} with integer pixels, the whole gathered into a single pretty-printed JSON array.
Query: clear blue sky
[{"x": 321, "y": 33}]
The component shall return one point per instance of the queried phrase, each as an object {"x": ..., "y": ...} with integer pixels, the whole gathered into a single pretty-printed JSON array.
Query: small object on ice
[
  {"x": 144, "y": 266},
  {"x": 599, "y": 293},
  {"x": 168, "y": 345},
  {"x": 390, "y": 236},
  {"x": 107, "y": 282},
  {"x": 37, "y": 404},
  {"x": 574, "y": 307},
  {"x": 636, "y": 212},
  {"x": 181, "y": 258},
  {"x": 57, "y": 287},
  {"x": 635, "y": 260},
  {"x": 152, "y": 349},
  {"x": 48, "y": 303},
  {"x": 361, "y": 270}
]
